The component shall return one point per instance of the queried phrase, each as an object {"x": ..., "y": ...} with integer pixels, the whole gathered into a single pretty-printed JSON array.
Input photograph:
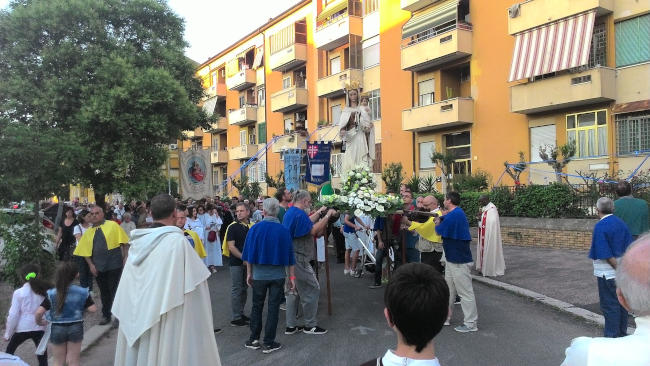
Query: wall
[{"x": 547, "y": 233}]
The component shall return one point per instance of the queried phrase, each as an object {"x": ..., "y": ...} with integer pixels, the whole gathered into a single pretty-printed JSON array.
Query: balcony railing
[
  {"x": 336, "y": 32},
  {"x": 434, "y": 32},
  {"x": 289, "y": 99},
  {"x": 437, "y": 46},
  {"x": 291, "y": 140},
  {"x": 289, "y": 57},
  {"x": 242, "y": 152},
  {"x": 219, "y": 157},
  {"x": 242, "y": 80},
  {"x": 444, "y": 114},
  {"x": 242, "y": 116},
  {"x": 220, "y": 125},
  {"x": 332, "y": 85}
]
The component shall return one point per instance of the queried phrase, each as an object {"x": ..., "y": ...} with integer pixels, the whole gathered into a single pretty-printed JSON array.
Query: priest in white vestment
[
  {"x": 163, "y": 302},
  {"x": 489, "y": 249}
]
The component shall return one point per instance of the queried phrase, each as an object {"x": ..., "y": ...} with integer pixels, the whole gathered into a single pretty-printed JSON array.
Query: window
[
  {"x": 261, "y": 171},
  {"x": 288, "y": 126},
  {"x": 335, "y": 65},
  {"x": 374, "y": 104},
  {"x": 261, "y": 96},
  {"x": 197, "y": 145},
  {"x": 541, "y": 137},
  {"x": 589, "y": 131},
  {"x": 242, "y": 100},
  {"x": 426, "y": 92},
  {"x": 426, "y": 149},
  {"x": 459, "y": 145},
  {"x": 261, "y": 133},
  {"x": 213, "y": 79},
  {"x": 251, "y": 138},
  {"x": 370, "y": 6},
  {"x": 286, "y": 82},
  {"x": 371, "y": 56},
  {"x": 252, "y": 172},
  {"x": 242, "y": 137},
  {"x": 215, "y": 142},
  {"x": 337, "y": 164},
  {"x": 598, "y": 46},
  {"x": 336, "y": 113},
  {"x": 633, "y": 133},
  {"x": 224, "y": 174},
  {"x": 632, "y": 46}
]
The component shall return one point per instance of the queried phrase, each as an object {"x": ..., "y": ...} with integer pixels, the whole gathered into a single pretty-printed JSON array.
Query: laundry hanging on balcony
[
  {"x": 553, "y": 47},
  {"x": 209, "y": 105}
]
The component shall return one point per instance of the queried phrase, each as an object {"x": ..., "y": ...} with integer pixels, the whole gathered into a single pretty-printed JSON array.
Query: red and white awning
[{"x": 557, "y": 46}]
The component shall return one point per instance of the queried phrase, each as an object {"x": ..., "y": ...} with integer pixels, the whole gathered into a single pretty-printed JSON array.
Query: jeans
[
  {"x": 85, "y": 276},
  {"x": 275, "y": 289},
  {"x": 379, "y": 264},
  {"x": 107, "y": 283},
  {"x": 309, "y": 289},
  {"x": 412, "y": 255},
  {"x": 67, "y": 332},
  {"x": 18, "y": 338},
  {"x": 615, "y": 315},
  {"x": 239, "y": 291}
]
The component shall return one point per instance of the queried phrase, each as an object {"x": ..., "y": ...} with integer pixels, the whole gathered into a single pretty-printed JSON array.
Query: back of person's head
[
  {"x": 271, "y": 206},
  {"x": 453, "y": 197},
  {"x": 162, "y": 206},
  {"x": 66, "y": 272},
  {"x": 300, "y": 195},
  {"x": 623, "y": 188},
  {"x": 605, "y": 205},
  {"x": 633, "y": 276},
  {"x": 31, "y": 273},
  {"x": 416, "y": 300}
]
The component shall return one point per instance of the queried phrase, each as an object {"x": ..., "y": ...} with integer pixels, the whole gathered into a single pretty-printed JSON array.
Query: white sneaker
[{"x": 346, "y": 272}]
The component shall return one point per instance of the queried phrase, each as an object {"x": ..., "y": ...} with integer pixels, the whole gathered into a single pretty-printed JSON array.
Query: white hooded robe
[{"x": 489, "y": 249}]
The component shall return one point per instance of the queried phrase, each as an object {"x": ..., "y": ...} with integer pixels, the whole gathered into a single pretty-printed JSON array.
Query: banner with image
[
  {"x": 318, "y": 162},
  {"x": 195, "y": 174},
  {"x": 292, "y": 160}
]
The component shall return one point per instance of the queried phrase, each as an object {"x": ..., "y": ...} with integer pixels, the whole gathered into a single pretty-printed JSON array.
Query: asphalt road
[{"x": 512, "y": 331}]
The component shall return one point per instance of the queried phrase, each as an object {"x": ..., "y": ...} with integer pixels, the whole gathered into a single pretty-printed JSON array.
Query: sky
[{"x": 213, "y": 25}]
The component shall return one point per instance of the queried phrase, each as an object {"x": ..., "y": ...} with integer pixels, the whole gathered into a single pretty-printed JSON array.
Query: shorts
[
  {"x": 67, "y": 332},
  {"x": 352, "y": 242}
]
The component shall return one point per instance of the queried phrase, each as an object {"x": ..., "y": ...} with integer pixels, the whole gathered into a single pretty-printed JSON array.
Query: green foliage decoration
[{"x": 393, "y": 176}]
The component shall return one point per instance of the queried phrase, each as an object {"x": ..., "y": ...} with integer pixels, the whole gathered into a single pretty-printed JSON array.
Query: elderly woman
[{"x": 127, "y": 224}]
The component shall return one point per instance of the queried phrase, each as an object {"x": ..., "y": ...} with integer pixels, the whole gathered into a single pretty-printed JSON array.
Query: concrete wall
[{"x": 548, "y": 233}]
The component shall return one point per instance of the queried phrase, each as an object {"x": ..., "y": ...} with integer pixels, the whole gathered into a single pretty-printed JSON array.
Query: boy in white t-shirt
[{"x": 415, "y": 302}]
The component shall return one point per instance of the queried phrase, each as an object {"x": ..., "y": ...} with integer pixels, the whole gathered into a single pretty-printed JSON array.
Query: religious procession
[{"x": 343, "y": 182}]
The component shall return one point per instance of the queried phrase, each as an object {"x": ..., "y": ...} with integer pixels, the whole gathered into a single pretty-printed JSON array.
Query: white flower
[
  {"x": 380, "y": 208},
  {"x": 358, "y": 175},
  {"x": 358, "y": 212},
  {"x": 366, "y": 194},
  {"x": 364, "y": 181}
]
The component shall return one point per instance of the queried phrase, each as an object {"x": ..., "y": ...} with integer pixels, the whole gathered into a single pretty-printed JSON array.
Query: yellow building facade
[{"x": 477, "y": 79}]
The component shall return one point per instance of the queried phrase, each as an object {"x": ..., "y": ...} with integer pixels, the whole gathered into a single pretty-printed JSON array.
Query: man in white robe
[
  {"x": 489, "y": 249},
  {"x": 163, "y": 301}
]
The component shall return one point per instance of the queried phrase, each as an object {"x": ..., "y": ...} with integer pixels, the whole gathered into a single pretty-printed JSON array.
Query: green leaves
[{"x": 392, "y": 175}]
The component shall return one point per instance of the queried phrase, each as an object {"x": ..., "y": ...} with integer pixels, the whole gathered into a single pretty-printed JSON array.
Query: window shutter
[
  {"x": 243, "y": 136},
  {"x": 426, "y": 149},
  {"x": 261, "y": 169},
  {"x": 632, "y": 44},
  {"x": 261, "y": 133},
  {"x": 540, "y": 136}
]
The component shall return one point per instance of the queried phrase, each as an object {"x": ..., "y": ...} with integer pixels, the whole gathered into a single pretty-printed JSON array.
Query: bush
[
  {"x": 475, "y": 182},
  {"x": 469, "y": 204},
  {"x": 503, "y": 199},
  {"x": 554, "y": 200},
  {"x": 392, "y": 176}
]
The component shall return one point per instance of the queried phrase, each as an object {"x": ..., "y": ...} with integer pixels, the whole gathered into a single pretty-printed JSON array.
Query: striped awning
[
  {"x": 331, "y": 8},
  {"x": 430, "y": 18},
  {"x": 553, "y": 47}
]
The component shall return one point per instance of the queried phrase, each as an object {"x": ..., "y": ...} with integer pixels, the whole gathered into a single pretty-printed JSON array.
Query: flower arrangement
[{"x": 360, "y": 197}]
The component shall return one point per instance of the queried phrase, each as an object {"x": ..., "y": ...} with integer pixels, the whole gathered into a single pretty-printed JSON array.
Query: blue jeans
[
  {"x": 615, "y": 315},
  {"x": 239, "y": 291},
  {"x": 275, "y": 289},
  {"x": 412, "y": 255}
]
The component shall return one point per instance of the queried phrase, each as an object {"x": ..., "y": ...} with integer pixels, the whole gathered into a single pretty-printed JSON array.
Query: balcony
[
  {"x": 535, "y": 13},
  {"x": 241, "y": 80},
  {"x": 195, "y": 134},
  {"x": 336, "y": 32},
  {"x": 448, "y": 113},
  {"x": 289, "y": 99},
  {"x": 218, "y": 90},
  {"x": 289, "y": 58},
  {"x": 564, "y": 91},
  {"x": 219, "y": 157},
  {"x": 332, "y": 86},
  {"x": 242, "y": 152},
  {"x": 221, "y": 125},
  {"x": 293, "y": 141},
  {"x": 327, "y": 133},
  {"x": 415, "y": 5},
  {"x": 243, "y": 116},
  {"x": 434, "y": 49}
]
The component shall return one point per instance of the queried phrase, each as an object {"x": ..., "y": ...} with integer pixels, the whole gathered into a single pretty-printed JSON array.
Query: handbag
[{"x": 212, "y": 235}]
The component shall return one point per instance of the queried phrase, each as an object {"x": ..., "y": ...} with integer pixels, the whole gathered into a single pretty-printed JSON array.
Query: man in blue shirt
[
  {"x": 267, "y": 252},
  {"x": 453, "y": 227},
  {"x": 609, "y": 241}
]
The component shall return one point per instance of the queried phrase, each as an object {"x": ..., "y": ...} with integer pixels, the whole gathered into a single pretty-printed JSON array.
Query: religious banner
[
  {"x": 195, "y": 174},
  {"x": 318, "y": 162},
  {"x": 292, "y": 160}
]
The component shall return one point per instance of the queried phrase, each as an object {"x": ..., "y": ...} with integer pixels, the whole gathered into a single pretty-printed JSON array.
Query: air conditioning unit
[{"x": 173, "y": 146}]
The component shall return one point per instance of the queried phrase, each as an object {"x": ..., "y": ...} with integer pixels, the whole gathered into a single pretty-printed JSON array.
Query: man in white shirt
[
  {"x": 633, "y": 292},
  {"x": 416, "y": 301}
]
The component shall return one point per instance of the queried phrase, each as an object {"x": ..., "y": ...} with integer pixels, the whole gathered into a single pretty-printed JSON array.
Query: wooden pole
[{"x": 327, "y": 277}]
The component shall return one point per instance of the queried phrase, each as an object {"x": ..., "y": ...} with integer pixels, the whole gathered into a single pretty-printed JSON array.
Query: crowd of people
[{"x": 151, "y": 262}]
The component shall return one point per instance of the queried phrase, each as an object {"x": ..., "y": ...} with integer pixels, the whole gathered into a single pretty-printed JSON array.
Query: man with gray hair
[
  {"x": 268, "y": 250},
  {"x": 633, "y": 280},
  {"x": 609, "y": 241}
]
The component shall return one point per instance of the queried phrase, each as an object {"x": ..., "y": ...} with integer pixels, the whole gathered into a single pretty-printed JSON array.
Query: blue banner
[
  {"x": 318, "y": 162},
  {"x": 292, "y": 169}
]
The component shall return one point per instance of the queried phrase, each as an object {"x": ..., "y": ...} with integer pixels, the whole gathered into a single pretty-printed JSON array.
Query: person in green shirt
[
  {"x": 633, "y": 211},
  {"x": 283, "y": 196}
]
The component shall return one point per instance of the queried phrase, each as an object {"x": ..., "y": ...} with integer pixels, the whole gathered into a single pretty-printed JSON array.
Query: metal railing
[{"x": 427, "y": 34}]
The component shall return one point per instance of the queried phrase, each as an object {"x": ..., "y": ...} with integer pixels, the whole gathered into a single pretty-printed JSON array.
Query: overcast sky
[{"x": 212, "y": 25}]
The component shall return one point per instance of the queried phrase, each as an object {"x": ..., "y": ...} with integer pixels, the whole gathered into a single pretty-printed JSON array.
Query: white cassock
[
  {"x": 489, "y": 250},
  {"x": 163, "y": 303}
]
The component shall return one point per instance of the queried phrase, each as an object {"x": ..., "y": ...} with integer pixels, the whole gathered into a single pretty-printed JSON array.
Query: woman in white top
[
  {"x": 213, "y": 222},
  {"x": 21, "y": 323},
  {"x": 85, "y": 276},
  {"x": 193, "y": 223}
]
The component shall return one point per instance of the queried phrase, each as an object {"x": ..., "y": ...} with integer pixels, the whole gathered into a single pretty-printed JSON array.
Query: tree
[
  {"x": 103, "y": 82},
  {"x": 515, "y": 170},
  {"x": 392, "y": 176},
  {"x": 445, "y": 162},
  {"x": 567, "y": 151},
  {"x": 277, "y": 182}
]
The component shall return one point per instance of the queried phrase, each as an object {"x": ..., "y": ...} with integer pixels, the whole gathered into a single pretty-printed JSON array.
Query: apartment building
[{"x": 483, "y": 80}]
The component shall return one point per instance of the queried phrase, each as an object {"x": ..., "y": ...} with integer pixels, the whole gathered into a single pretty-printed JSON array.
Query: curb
[
  {"x": 94, "y": 334},
  {"x": 546, "y": 300}
]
